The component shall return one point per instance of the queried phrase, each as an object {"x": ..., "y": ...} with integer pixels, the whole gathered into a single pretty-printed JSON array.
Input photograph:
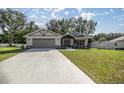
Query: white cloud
[
  {"x": 76, "y": 17},
  {"x": 37, "y": 11},
  {"x": 66, "y": 12},
  {"x": 33, "y": 16},
  {"x": 79, "y": 9},
  {"x": 120, "y": 17},
  {"x": 41, "y": 11},
  {"x": 87, "y": 15},
  {"x": 56, "y": 10},
  {"x": 43, "y": 17},
  {"x": 39, "y": 24},
  {"x": 103, "y": 13},
  {"x": 107, "y": 13},
  {"x": 48, "y": 9},
  {"x": 111, "y": 10},
  {"x": 122, "y": 24},
  {"x": 53, "y": 15}
]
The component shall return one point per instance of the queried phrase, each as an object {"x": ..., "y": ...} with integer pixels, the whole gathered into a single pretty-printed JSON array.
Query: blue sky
[{"x": 108, "y": 19}]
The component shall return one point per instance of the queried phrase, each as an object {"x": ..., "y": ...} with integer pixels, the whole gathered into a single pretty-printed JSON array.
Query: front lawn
[
  {"x": 103, "y": 66},
  {"x": 6, "y": 52}
]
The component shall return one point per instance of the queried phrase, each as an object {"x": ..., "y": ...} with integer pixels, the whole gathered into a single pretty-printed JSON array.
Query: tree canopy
[
  {"x": 14, "y": 25},
  {"x": 63, "y": 26},
  {"x": 104, "y": 36}
]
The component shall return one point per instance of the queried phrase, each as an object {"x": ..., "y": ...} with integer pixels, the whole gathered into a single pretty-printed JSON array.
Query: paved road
[{"x": 47, "y": 66}]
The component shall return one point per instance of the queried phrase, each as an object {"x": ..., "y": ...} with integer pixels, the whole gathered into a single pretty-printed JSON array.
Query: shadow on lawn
[
  {"x": 10, "y": 51},
  {"x": 39, "y": 50},
  {"x": 84, "y": 48}
]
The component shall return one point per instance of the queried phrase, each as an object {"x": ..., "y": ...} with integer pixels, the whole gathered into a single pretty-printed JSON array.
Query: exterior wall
[
  {"x": 85, "y": 42},
  {"x": 104, "y": 45},
  {"x": 58, "y": 42},
  {"x": 72, "y": 42},
  {"x": 120, "y": 44},
  {"x": 30, "y": 39},
  {"x": 69, "y": 39}
]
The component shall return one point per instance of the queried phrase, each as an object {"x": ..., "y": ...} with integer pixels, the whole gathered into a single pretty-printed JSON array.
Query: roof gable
[
  {"x": 117, "y": 39},
  {"x": 42, "y": 32}
]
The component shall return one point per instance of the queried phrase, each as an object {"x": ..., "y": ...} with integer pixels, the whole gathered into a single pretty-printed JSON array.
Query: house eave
[
  {"x": 86, "y": 37},
  {"x": 30, "y": 34}
]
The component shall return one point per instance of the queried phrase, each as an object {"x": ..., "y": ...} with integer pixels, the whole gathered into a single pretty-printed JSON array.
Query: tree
[
  {"x": 11, "y": 21},
  {"x": 102, "y": 39},
  {"x": 60, "y": 26},
  {"x": 80, "y": 25},
  {"x": 84, "y": 26},
  {"x": 14, "y": 26},
  {"x": 100, "y": 35},
  {"x": 0, "y": 38},
  {"x": 91, "y": 27},
  {"x": 4, "y": 38},
  {"x": 28, "y": 28},
  {"x": 114, "y": 35},
  {"x": 109, "y": 36}
]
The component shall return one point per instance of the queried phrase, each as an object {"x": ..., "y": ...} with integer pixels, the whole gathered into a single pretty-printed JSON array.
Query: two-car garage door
[{"x": 44, "y": 43}]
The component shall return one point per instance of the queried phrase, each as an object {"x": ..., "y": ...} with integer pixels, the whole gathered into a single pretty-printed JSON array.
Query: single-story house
[
  {"x": 43, "y": 38},
  {"x": 117, "y": 43}
]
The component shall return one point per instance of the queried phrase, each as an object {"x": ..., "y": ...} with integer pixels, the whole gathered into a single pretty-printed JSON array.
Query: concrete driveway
[{"x": 47, "y": 66}]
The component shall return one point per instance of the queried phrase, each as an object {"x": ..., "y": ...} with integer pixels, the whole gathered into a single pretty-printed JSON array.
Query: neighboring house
[
  {"x": 48, "y": 39},
  {"x": 117, "y": 43}
]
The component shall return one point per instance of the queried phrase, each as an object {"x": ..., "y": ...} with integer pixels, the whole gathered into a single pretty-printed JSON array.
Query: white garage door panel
[{"x": 44, "y": 43}]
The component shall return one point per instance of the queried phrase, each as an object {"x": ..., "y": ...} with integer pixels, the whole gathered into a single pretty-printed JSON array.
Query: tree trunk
[{"x": 11, "y": 40}]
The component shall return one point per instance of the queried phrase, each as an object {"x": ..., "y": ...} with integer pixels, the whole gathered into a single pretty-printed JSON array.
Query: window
[
  {"x": 78, "y": 42},
  {"x": 115, "y": 43}
]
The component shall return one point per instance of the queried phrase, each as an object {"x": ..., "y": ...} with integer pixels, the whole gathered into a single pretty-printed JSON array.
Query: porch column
[
  {"x": 86, "y": 42},
  {"x": 72, "y": 42}
]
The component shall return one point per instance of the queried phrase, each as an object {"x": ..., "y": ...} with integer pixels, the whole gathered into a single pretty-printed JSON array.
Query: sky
[{"x": 108, "y": 19}]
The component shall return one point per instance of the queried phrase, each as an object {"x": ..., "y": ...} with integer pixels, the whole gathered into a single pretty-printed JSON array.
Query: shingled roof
[
  {"x": 117, "y": 39},
  {"x": 76, "y": 34}
]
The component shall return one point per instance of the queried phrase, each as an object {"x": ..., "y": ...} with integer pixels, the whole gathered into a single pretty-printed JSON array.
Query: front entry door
[{"x": 67, "y": 43}]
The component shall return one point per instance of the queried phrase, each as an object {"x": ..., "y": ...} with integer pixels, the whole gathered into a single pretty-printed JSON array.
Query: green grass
[
  {"x": 6, "y": 52},
  {"x": 103, "y": 66}
]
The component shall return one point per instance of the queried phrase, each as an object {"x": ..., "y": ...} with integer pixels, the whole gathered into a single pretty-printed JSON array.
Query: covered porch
[
  {"x": 74, "y": 42},
  {"x": 68, "y": 41}
]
